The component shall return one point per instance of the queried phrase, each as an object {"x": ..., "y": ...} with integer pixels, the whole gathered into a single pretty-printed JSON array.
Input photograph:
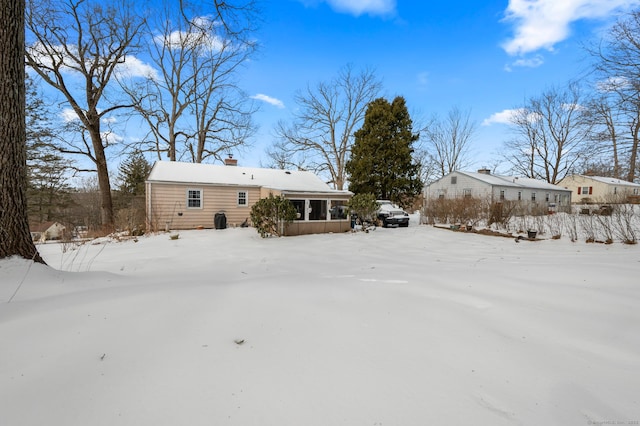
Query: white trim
[
  {"x": 200, "y": 198},
  {"x": 246, "y": 198}
]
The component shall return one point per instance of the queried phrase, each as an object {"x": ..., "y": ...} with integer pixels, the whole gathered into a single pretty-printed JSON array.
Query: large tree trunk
[
  {"x": 106, "y": 204},
  {"x": 15, "y": 238}
]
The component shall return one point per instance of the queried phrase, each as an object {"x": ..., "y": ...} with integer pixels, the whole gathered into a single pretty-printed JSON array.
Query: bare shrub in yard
[
  {"x": 130, "y": 219},
  {"x": 625, "y": 222},
  {"x": 589, "y": 227},
  {"x": 571, "y": 226},
  {"x": 540, "y": 223},
  {"x": 501, "y": 213},
  {"x": 605, "y": 227},
  {"x": 438, "y": 210},
  {"x": 555, "y": 225},
  {"x": 465, "y": 210}
]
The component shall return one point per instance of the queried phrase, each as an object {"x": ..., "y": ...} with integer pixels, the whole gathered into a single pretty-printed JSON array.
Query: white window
[
  {"x": 519, "y": 195},
  {"x": 546, "y": 197},
  {"x": 243, "y": 198},
  {"x": 194, "y": 198},
  {"x": 533, "y": 196},
  {"x": 466, "y": 193},
  {"x": 454, "y": 180},
  {"x": 502, "y": 195}
]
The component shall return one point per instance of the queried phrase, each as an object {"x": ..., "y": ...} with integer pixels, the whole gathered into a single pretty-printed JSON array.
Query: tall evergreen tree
[
  {"x": 48, "y": 191},
  {"x": 381, "y": 158}
]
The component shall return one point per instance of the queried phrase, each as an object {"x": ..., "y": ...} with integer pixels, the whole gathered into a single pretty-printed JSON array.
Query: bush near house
[
  {"x": 364, "y": 206},
  {"x": 270, "y": 216}
]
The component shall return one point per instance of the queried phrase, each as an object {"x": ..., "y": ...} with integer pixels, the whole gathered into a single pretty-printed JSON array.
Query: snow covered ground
[{"x": 407, "y": 326}]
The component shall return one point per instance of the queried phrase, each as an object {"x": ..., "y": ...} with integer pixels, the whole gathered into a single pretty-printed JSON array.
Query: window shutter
[
  {"x": 590, "y": 190},
  {"x": 579, "y": 190}
]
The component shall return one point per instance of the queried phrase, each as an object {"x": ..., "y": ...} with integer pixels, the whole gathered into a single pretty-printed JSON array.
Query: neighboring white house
[
  {"x": 533, "y": 193},
  {"x": 191, "y": 195},
  {"x": 599, "y": 189},
  {"x": 44, "y": 231}
]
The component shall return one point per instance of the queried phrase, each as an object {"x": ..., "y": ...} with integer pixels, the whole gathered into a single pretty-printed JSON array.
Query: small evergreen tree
[
  {"x": 129, "y": 201},
  {"x": 132, "y": 174},
  {"x": 364, "y": 206},
  {"x": 381, "y": 158},
  {"x": 271, "y": 215}
]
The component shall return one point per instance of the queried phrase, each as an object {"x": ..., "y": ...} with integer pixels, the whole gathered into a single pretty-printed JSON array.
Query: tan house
[
  {"x": 598, "y": 189},
  {"x": 191, "y": 195},
  {"x": 41, "y": 232}
]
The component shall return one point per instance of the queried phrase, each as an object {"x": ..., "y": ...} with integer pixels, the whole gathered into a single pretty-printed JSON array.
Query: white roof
[
  {"x": 612, "y": 181},
  {"x": 198, "y": 173},
  {"x": 514, "y": 181}
]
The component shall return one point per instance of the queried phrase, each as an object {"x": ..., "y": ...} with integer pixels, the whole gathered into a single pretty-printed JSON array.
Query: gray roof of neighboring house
[
  {"x": 611, "y": 181},
  {"x": 198, "y": 173},
  {"x": 513, "y": 181}
]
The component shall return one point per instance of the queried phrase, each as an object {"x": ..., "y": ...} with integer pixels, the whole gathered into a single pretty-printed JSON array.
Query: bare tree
[
  {"x": 605, "y": 134},
  {"x": 321, "y": 133},
  {"x": 617, "y": 59},
  {"x": 15, "y": 238},
  {"x": 193, "y": 104},
  {"x": 89, "y": 40},
  {"x": 447, "y": 140},
  {"x": 550, "y": 135}
]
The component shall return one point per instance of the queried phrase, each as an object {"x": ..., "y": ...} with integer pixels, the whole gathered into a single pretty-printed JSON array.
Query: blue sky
[{"x": 482, "y": 56}]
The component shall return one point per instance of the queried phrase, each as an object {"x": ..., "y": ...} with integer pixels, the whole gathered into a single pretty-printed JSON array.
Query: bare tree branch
[{"x": 321, "y": 133}]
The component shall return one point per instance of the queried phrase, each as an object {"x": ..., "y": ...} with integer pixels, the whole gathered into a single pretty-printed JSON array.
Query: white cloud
[
  {"x": 268, "y": 99},
  {"x": 532, "y": 62},
  {"x": 612, "y": 84},
  {"x": 359, "y": 7},
  {"x": 111, "y": 138},
  {"x": 503, "y": 117},
  {"x": 131, "y": 67},
  {"x": 199, "y": 34},
  {"x": 540, "y": 24},
  {"x": 134, "y": 67},
  {"x": 68, "y": 115}
]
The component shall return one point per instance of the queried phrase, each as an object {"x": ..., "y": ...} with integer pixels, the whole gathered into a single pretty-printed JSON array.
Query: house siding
[
  {"x": 600, "y": 191},
  {"x": 165, "y": 202},
  {"x": 188, "y": 196},
  {"x": 481, "y": 189}
]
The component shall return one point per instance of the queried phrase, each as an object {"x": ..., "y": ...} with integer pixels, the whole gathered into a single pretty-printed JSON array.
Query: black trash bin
[{"x": 220, "y": 220}]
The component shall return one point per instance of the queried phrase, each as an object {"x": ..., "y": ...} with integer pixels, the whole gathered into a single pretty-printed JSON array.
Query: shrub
[
  {"x": 364, "y": 206},
  {"x": 270, "y": 216}
]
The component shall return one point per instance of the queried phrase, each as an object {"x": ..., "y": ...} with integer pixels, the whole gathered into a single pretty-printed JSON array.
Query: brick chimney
[
  {"x": 484, "y": 171},
  {"x": 230, "y": 161}
]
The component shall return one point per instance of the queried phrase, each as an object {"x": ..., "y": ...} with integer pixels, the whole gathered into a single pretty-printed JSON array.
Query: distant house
[
  {"x": 531, "y": 193},
  {"x": 598, "y": 189},
  {"x": 191, "y": 195},
  {"x": 41, "y": 232}
]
